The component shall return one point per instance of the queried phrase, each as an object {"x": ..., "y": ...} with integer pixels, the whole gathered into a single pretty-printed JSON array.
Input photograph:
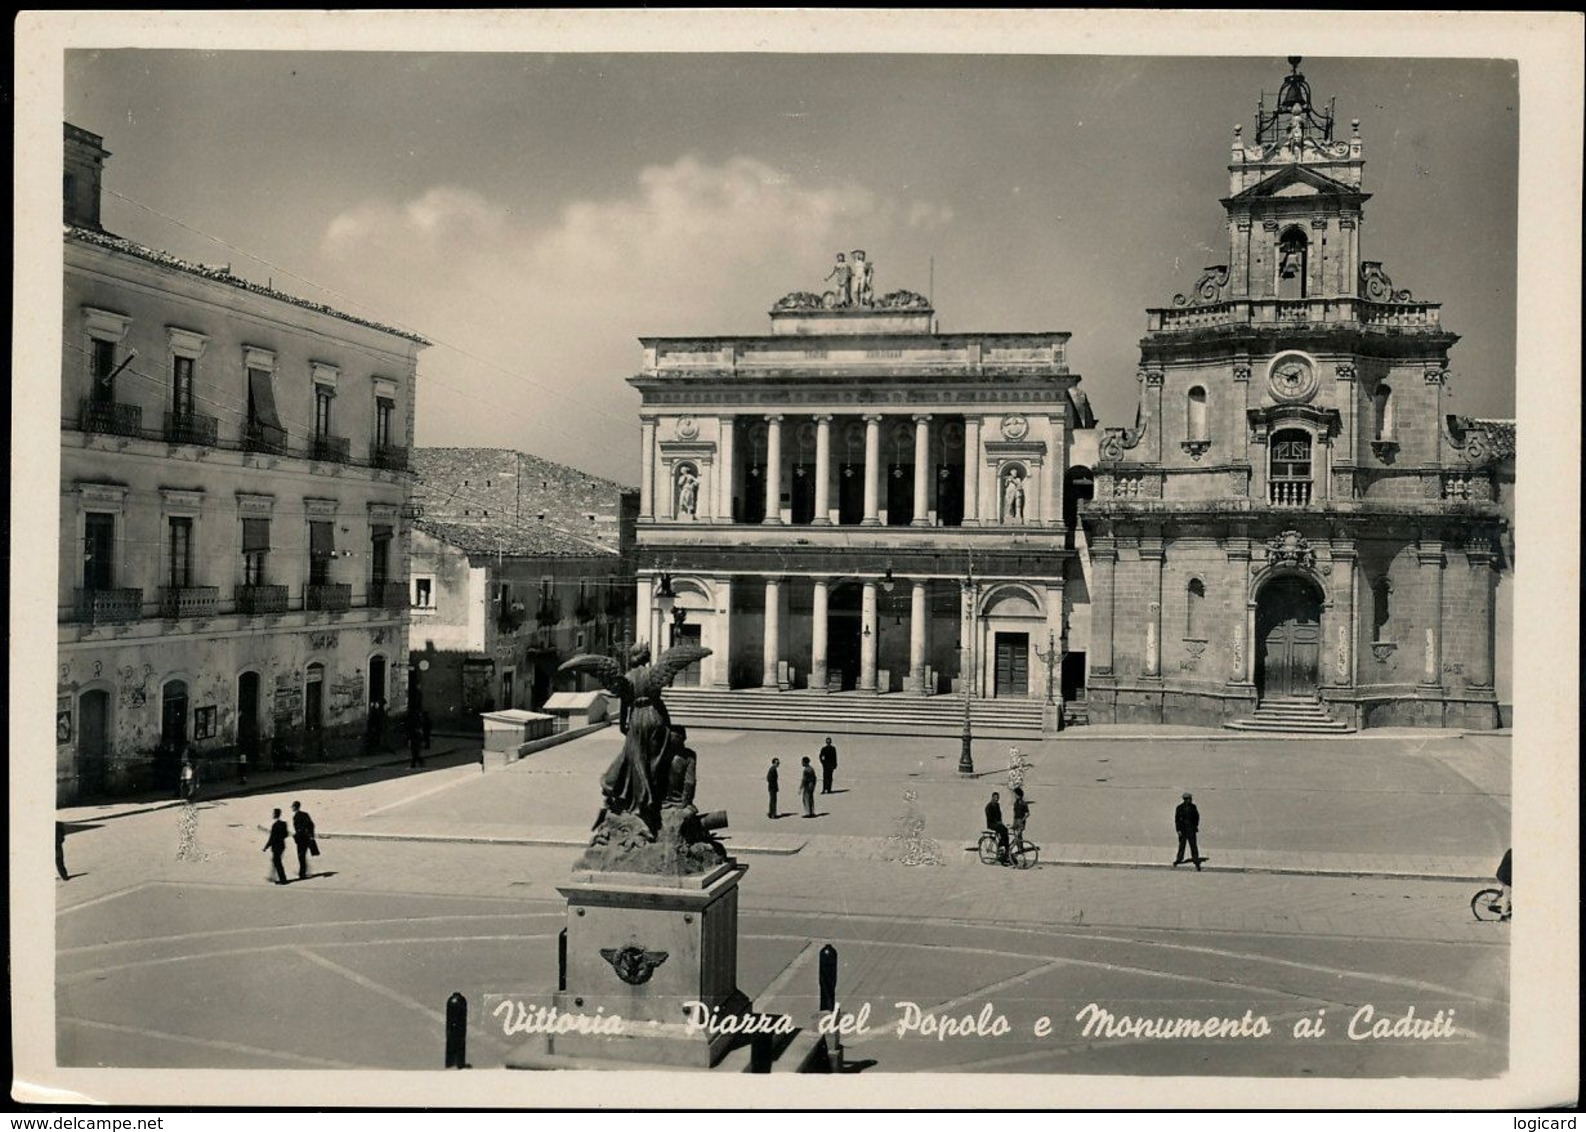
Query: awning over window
[
  {"x": 255, "y": 535},
  {"x": 322, "y": 539},
  {"x": 261, "y": 400}
]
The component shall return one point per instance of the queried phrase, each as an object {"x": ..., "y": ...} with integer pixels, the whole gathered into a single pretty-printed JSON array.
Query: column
[
  {"x": 922, "y": 470},
  {"x": 724, "y": 478},
  {"x": 773, "y": 468},
  {"x": 818, "y": 615},
  {"x": 966, "y": 638},
  {"x": 1478, "y": 552},
  {"x": 1345, "y": 627},
  {"x": 823, "y": 479},
  {"x": 867, "y": 638},
  {"x": 917, "y": 625},
  {"x": 643, "y": 613},
  {"x": 722, "y": 648},
  {"x": 1249, "y": 675},
  {"x": 1429, "y": 553},
  {"x": 1103, "y": 567},
  {"x": 1153, "y": 426},
  {"x": 647, "y": 467},
  {"x": 1056, "y": 465},
  {"x": 1151, "y": 555},
  {"x": 872, "y": 475},
  {"x": 971, "y": 471},
  {"x": 773, "y": 636}
]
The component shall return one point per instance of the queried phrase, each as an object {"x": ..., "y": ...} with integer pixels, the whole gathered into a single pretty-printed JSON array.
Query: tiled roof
[
  {"x": 514, "y": 539},
  {"x": 223, "y": 275}
]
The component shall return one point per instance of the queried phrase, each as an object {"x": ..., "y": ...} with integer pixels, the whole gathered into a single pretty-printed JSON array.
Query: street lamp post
[
  {"x": 966, "y": 758},
  {"x": 1053, "y": 657}
]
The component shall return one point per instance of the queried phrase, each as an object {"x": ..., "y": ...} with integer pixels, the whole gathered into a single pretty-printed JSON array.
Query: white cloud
[{"x": 695, "y": 248}]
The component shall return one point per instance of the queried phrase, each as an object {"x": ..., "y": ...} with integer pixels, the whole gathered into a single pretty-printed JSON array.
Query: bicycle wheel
[
  {"x": 1487, "y": 904},
  {"x": 1026, "y": 855},
  {"x": 987, "y": 848}
]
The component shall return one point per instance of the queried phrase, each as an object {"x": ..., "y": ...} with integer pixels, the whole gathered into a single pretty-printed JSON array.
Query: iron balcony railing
[
  {"x": 387, "y": 595},
  {"x": 111, "y": 418},
  {"x": 254, "y": 601},
  {"x": 191, "y": 428},
  {"x": 264, "y": 438},
  {"x": 331, "y": 598},
  {"x": 336, "y": 449},
  {"x": 109, "y": 606},
  {"x": 189, "y": 601},
  {"x": 389, "y": 458}
]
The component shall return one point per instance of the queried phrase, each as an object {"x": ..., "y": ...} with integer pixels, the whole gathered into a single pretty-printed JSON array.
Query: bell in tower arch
[{"x": 1293, "y": 253}]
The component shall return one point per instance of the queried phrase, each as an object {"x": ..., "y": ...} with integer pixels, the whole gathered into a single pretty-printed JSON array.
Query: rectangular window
[
  {"x": 103, "y": 363},
  {"x": 181, "y": 553},
  {"x": 322, "y": 402},
  {"x": 384, "y": 409},
  {"x": 255, "y": 549},
  {"x": 99, "y": 551},
  {"x": 264, "y": 423},
  {"x": 182, "y": 386},
  {"x": 380, "y": 556},
  {"x": 321, "y": 551},
  {"x": 423, "y": 593}
]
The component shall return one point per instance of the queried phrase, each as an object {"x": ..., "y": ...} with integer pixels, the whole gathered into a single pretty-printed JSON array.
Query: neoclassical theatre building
[
  {"x": 855, "y": 502},
  {"x": 1295, "y": 522}
]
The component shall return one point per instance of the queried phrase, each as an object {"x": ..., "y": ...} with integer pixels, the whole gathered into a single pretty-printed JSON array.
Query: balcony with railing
[
  {"x": 329, "y": 598},
  {"x": 1401, "y": 315},
  {"x": 263, "y": 438},
  {"x": 111, "y": 418},
  {"x": 335, "y": 449},
  {"x": 388, "y": 458},
  {"x": 191, "y": 428},
  {"x": 1289, "y": 492},
  {"x": 387, "y": 595},
  {"x": 109, "y": 606},
  {"x": 177, "y": 602},
  {"x": 255, "y": 601}
]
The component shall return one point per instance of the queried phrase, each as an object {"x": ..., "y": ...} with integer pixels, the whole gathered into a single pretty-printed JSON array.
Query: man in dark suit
[
  {"x": 303, "y": 836},
  {"x": 807, "y": 787},
  {"x": 1187, "y": 821},
  {"x": 995, "y": 823},
  {"x": 60, "y": 850},
  {"x": 275, "y": 845},
  {"x": 770, "y": 788},
  {"x": 828, "y": 758}
]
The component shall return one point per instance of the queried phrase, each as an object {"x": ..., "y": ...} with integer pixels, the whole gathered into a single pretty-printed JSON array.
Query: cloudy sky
[{"x": 534, "y": 214}]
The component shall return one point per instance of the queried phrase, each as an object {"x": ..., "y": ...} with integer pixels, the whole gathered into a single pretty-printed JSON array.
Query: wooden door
[
  {"x": 93, "y": 742},
  {"x": 1290, "y": 630},
  {"x": 248, "y": 715},
  {"x": 1013, "y": 664},
  {"x": 687, "y": 635}
]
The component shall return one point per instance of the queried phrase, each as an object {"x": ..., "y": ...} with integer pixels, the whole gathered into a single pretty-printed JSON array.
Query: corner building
[
  {"x": 1295, "y": 522},
  {"x": 857, "y": 503}
]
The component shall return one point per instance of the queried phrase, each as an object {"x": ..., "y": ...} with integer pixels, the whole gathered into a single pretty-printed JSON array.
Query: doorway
[
  {"x": 1288, "y": 629},
  {"x": 377, "y": 682},
  {"x": 314, "y": 709},
  {"x": 248, "y": 715},
  {"x": 93, "y": 742},
  {"x": 842, "y": 635},
  {"x": 686, "y": 634},
  {"x": 1012, "y": 665}
]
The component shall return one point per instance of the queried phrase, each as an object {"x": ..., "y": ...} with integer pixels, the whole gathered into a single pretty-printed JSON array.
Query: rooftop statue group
[
  {"x": 851, "y": 282},
  {"x": 648, "y": 822}
]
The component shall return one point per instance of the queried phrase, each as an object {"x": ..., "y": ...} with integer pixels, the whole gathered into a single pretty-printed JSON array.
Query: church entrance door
[{"x": 1288, "y": 627}]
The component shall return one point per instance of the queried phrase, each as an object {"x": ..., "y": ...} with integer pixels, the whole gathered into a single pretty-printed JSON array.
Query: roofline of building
[
  {"x": 934, "y": 336},
  {"x": 111, "y": 242}
]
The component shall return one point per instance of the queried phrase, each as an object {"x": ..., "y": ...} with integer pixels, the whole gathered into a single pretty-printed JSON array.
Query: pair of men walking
[{"x": 302, "y": 835}]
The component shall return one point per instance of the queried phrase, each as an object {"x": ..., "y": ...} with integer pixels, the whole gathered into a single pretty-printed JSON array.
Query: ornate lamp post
[
  {"x": 1053, "y": 658},
  {"x": 966, "y": 758}
]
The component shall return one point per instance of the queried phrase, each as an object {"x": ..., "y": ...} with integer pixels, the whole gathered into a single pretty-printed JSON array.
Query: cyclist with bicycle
[{"x": 994, "y": 823}]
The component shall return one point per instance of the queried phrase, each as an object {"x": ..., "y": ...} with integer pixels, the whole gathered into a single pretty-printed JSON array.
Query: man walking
[
  {"x": 770, "y": 789},
  {"x": 303, "y": 835},
  {"x": 275, "y": 845},
  {"x": 828, "y": 757},
  {"x": 807, "y": 788},
  {"x": 1187, "y": 821},
  {"x": 60, "y": 850},
  {"x": 415, "y": 742}
]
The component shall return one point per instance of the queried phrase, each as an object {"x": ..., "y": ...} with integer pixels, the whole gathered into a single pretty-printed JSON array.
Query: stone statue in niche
[
  {"x": 687, "y": 491},
  {"x": 1013, "y": 495}
]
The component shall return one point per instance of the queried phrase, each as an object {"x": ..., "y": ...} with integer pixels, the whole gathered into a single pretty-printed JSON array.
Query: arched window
[
  {"x": 1289, "y": 481},
  {"x": 1380, "y": 590},
  {"x": 1382, "y": 401},
  {"x": 1194, "y": 616},
  {"x": 1195, "y": 415}
]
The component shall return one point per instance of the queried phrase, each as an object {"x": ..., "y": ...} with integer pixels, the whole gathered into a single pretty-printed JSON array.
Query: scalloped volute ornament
[
  {"x": 1376, "y": 286},
  {"x": 903, "y": 300},
  {"x": 1208, "y": 288}
]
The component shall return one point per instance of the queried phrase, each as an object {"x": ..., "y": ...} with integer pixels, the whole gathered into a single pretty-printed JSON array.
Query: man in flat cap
[{"x": 1187, "y": 821}]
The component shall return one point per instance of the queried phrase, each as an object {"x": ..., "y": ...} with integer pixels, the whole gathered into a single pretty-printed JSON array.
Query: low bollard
[
  {"x": 456, "y": 1032},
  {"x": 828, "y": 976},
  {"x": 760, "y": 1051}
]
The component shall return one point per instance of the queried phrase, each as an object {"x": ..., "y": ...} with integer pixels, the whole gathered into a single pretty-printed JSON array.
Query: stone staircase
[
  {"x": 1292, "y": 717},
  {"x": 852, "y": 713}
]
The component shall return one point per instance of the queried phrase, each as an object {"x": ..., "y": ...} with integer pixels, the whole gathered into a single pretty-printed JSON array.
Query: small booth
[
  {"x": 506, "y": 731},
  {"x": 572, "y": 710}
]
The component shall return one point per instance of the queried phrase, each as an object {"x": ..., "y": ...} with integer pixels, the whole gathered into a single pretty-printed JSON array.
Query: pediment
[{"x": 1298, "y": 181}]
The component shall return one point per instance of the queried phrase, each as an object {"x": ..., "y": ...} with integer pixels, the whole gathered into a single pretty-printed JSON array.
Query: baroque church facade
[{"x": 1295, "y": 521}]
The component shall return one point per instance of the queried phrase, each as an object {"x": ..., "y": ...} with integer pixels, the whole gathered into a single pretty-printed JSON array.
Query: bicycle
[
  {"x": 1487, "y": 905},
  {"x": 1022, "y": 854}
]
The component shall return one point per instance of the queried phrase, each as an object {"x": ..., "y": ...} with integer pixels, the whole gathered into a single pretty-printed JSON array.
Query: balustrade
[
  {"x": 387, "y": 595},
  {"x": 329, "y": 598},
  {"x": 1289, "y": 493},
  {"x": 110, "y": 417},
  {"x": 335, "y": 449},
  {"x": 177, "y": 602},
  {"x": 264, "y": 438},
  {"x": 109, "y": 606},
  {"x": 388, "y": 458},
  {"x": 257, "y": 600},
  {"x": 191, "y": 428}
]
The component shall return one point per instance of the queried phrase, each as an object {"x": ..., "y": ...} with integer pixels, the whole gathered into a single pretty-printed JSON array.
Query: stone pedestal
[{"x": 643, "y": 948}]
